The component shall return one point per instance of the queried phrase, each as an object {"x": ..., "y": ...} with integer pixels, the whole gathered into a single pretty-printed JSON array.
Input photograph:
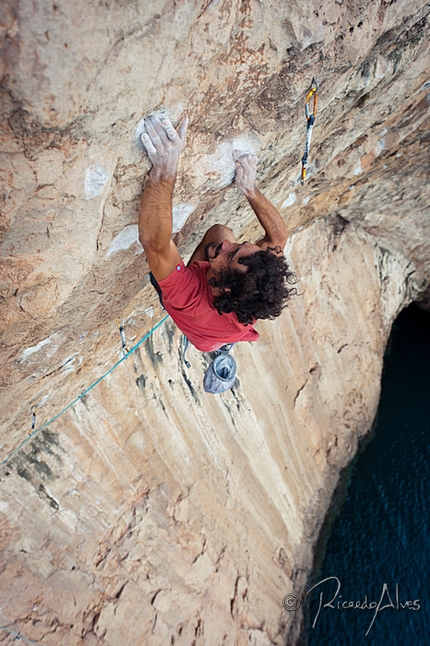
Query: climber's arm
[
  {"x": 267, "y": 214},
  {"x": 163, "y": 146},
  {"x": 155, "y": 226},
  {"x": 270, "y": 220}
]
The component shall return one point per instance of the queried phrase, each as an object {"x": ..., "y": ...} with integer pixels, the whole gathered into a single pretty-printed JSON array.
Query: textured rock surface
[{"x": 150, "y": 512}]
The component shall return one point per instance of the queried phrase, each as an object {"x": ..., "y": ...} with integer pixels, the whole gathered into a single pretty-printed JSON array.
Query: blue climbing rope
[
  {"x": 19, "y": 636},
  {"x": 35, "y": 432}
]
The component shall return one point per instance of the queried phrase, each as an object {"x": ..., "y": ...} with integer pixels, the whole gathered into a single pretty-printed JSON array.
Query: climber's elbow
[{"x": 153, "y": 246}]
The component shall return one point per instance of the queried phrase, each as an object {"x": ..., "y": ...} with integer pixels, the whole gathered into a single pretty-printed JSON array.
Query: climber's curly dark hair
[{"x": 260, "y": 293}]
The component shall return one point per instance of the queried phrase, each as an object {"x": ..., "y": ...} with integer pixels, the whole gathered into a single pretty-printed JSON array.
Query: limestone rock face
[{"x": 149, "y": 511}]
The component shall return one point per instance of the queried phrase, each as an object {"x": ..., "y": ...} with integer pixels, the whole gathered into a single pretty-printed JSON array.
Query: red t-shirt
[{"x": 189, "y": 301}]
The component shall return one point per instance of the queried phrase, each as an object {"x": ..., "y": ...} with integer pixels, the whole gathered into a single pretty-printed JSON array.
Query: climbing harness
[
  {"x": 313, "y": 92},
  {"x": 122, "y": 334}
]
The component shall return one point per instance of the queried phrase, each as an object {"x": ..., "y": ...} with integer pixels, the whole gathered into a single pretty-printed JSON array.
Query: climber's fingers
[
  {"x": 179, "y": 139},
  {"x": 163, "y": 144},
  {"x": 171, "y": 132},
  {"x": 246, "y": 169},
  {"x": 161, "y": 135},
  {"x": 156, "y": 131},
  {"x": 149, "y": 146},
  {"x": 245, "y": 158}
]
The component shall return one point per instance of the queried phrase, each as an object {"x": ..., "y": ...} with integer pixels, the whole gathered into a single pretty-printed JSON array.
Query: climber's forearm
[
  {"x": 267, "y": 214},
  {"x": 163, "y": 145},
  {"x": 155, "y": 215},
  {"x": 269, "y": 218}
]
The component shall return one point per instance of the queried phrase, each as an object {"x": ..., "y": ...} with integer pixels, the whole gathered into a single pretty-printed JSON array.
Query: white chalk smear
[
  {"x": 292, "y": 197},
  {"x": 358, "y": 169},
  {"x": 128, "y": 236},
  {"x": 95, "y": 181},
  {"x": 181, "y": 213},
  {"x": 219, "y": 166},
  {"x": 379, "y": 147},
  {"x": 34, "y": 348},
  {"x": 69, "y": 365}
]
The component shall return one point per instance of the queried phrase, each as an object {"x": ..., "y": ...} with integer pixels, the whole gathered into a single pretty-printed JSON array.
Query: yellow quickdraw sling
[{"x": 313, "y": 92}]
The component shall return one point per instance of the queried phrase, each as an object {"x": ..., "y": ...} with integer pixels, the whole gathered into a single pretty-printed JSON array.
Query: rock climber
[{"x": 227, "y": 285}]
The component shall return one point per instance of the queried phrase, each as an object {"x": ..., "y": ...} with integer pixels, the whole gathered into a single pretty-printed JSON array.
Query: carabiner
[
  {"x": 313, "y": 92},
  {"x": 123, "y": 339}
]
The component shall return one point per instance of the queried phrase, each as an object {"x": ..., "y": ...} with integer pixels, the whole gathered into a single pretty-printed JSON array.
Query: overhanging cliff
[{"x": 151, "y": 512}]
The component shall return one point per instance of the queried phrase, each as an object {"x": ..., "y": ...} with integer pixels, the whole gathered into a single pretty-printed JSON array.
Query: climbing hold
[{"x": 310, "y": 117}]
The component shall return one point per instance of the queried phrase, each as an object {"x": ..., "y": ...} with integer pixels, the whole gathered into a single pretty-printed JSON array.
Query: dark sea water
[{"x": 378, "y": 547}]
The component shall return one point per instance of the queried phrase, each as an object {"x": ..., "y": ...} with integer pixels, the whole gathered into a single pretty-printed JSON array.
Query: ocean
[{"x": 370, "y": 584}]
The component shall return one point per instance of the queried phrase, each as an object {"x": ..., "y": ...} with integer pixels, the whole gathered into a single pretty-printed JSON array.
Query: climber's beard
[{"x": 212, "y": 250}]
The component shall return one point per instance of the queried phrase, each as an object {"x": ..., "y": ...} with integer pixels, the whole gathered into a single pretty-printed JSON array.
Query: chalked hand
[
  {"x": 246, "y": 170},
  {"x": 164, "y": 145}
]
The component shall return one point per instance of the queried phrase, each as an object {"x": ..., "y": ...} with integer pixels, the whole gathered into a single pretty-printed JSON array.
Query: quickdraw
[
  {"x": 123, "y": 339},
  {"x": 33, "y": 419},
  {"x": 313, "y": 92}
]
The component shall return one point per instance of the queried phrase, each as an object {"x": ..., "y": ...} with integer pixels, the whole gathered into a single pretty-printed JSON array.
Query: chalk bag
[{"x": 220, "y": 375}]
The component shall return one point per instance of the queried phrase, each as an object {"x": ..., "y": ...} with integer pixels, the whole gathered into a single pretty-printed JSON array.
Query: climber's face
[{"x": 229, "y": 255}]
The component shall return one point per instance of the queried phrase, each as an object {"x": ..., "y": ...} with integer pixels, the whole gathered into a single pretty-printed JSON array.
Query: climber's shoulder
[{"x": 162, "y": 261}]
